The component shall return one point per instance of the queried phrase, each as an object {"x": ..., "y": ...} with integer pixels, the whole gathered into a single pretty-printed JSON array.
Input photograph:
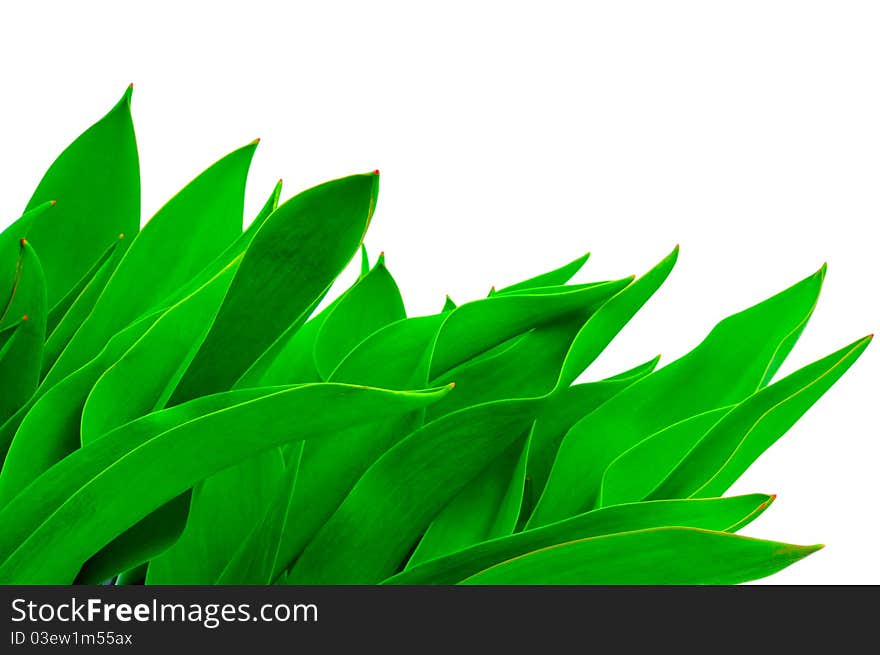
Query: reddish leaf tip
[
  {"x": 53, "y": 202},
  {"x": 376, "y": 172},
  {"x": 22, "y": 241},
  {"x": 25, "y": 317},
  {"x": 452, "y": 385}
]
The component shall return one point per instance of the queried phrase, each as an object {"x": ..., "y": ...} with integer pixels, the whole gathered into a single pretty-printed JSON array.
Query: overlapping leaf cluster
[{"x": 175, "y": 408}]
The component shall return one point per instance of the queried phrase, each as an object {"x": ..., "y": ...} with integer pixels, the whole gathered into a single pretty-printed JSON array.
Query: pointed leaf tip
[
  {"x": 52, "y": 203},
  {"x": 22, "y": 241},
  {"x": 25, "y": 317},
  {"x": 376, "y": 172}
]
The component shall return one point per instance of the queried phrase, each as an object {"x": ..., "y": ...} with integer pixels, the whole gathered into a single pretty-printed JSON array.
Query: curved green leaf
[
  {"x": 290, "y": 264},
  {"x": 552, "y": 278},
  {"x": 80, "y": 307},
  {"x": 21, "y": 354},
  {"x": 142, "y": 379},
  {"x": 372, "y": 303},
  {"x": 661, "y": 556},
  {"x": 104, "y": 488},
  {"x": 368, "y": 536},
  {"x": 486, "y": 508},
  {"x": 96, "y": 181},
  {"x": 725, "y": 368},
  {"x": 754, "y": 425},
  {"x": 724, "y": 514},
  {"x": 50, "y": 429},
  {"x": 637, "y": 471},
  {"x": 190, "y": 231},
  {"x": 610, "y": 318}
]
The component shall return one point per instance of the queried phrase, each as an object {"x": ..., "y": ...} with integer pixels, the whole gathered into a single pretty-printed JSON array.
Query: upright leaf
[
  {"x": 724, "y": 369},
  {"x": 96, "y": 181},
  {"x": 754, "y": 425},
  {"x": 290, "y": 264},
  {"x": 190, "y": 231},
  {"x": 372, "y": 303}
]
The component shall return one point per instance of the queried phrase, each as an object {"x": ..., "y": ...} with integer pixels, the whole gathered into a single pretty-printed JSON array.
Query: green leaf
[
  {"x": 634, "y": 474},
  {"x": 553, "y": 278},
  {"x": 49, "y": 430},
  {"x": 28, "y": 293},
  {"x": 524, "y": 367},
  {"x": 79, "y": 505},
  {"x": 561, "y": 411},
  {"x": 725, "y": 368},
  {"x": 365, "y": 261},
  {"x": 256, "y": 559},
  {"x": 372, "y": 303},
  {"x": 21, "y": 354},
  {"x": 486, "y": 508},
  {"x": 288, "y": 267},
  {"x": 678, "y": 556},
  {"x": 468, "y": 329},
  {"x": 224, "y": 510},
  {"x": 754, "y": 425},
  {"x": 142, "y": 379},
  {"x": 79, "y": 309},
  {"x": 232, "y": 252},
  {"x": 63, "y": 306},
  {"x": 371, "y": 532},
  {"x": 96, "y": 181},
  {"x": 10, "y": 251},
  {"x": 724, "y": 514},
  {"x": 448, "y": 305},
  {"x": 610, "y": 318},
  {"x": 190, "y": 231}
]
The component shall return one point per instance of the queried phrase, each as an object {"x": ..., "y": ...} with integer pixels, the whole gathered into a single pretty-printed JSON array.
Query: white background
[{"x": 514, "y": 136}]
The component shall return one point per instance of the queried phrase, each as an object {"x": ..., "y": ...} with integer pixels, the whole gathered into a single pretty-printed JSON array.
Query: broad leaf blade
[
  {"x": 96, "y": 181},
  {"x": 731, "y": 446},
  {"x": 725, "y": 368},
  {"x": 710, "y": 514},
  {"x": 679, "y": 556},
  {"x": 102, "y": 489}
]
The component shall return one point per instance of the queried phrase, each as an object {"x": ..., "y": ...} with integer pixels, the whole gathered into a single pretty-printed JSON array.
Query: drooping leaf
[
  {"x": 96, "y": 182},
  {"x": 106, "y": 487},
  {"x": 728, "y": 365},
  {"x": 660, "y": 556},
  {"x": 724, "y": 514}
]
